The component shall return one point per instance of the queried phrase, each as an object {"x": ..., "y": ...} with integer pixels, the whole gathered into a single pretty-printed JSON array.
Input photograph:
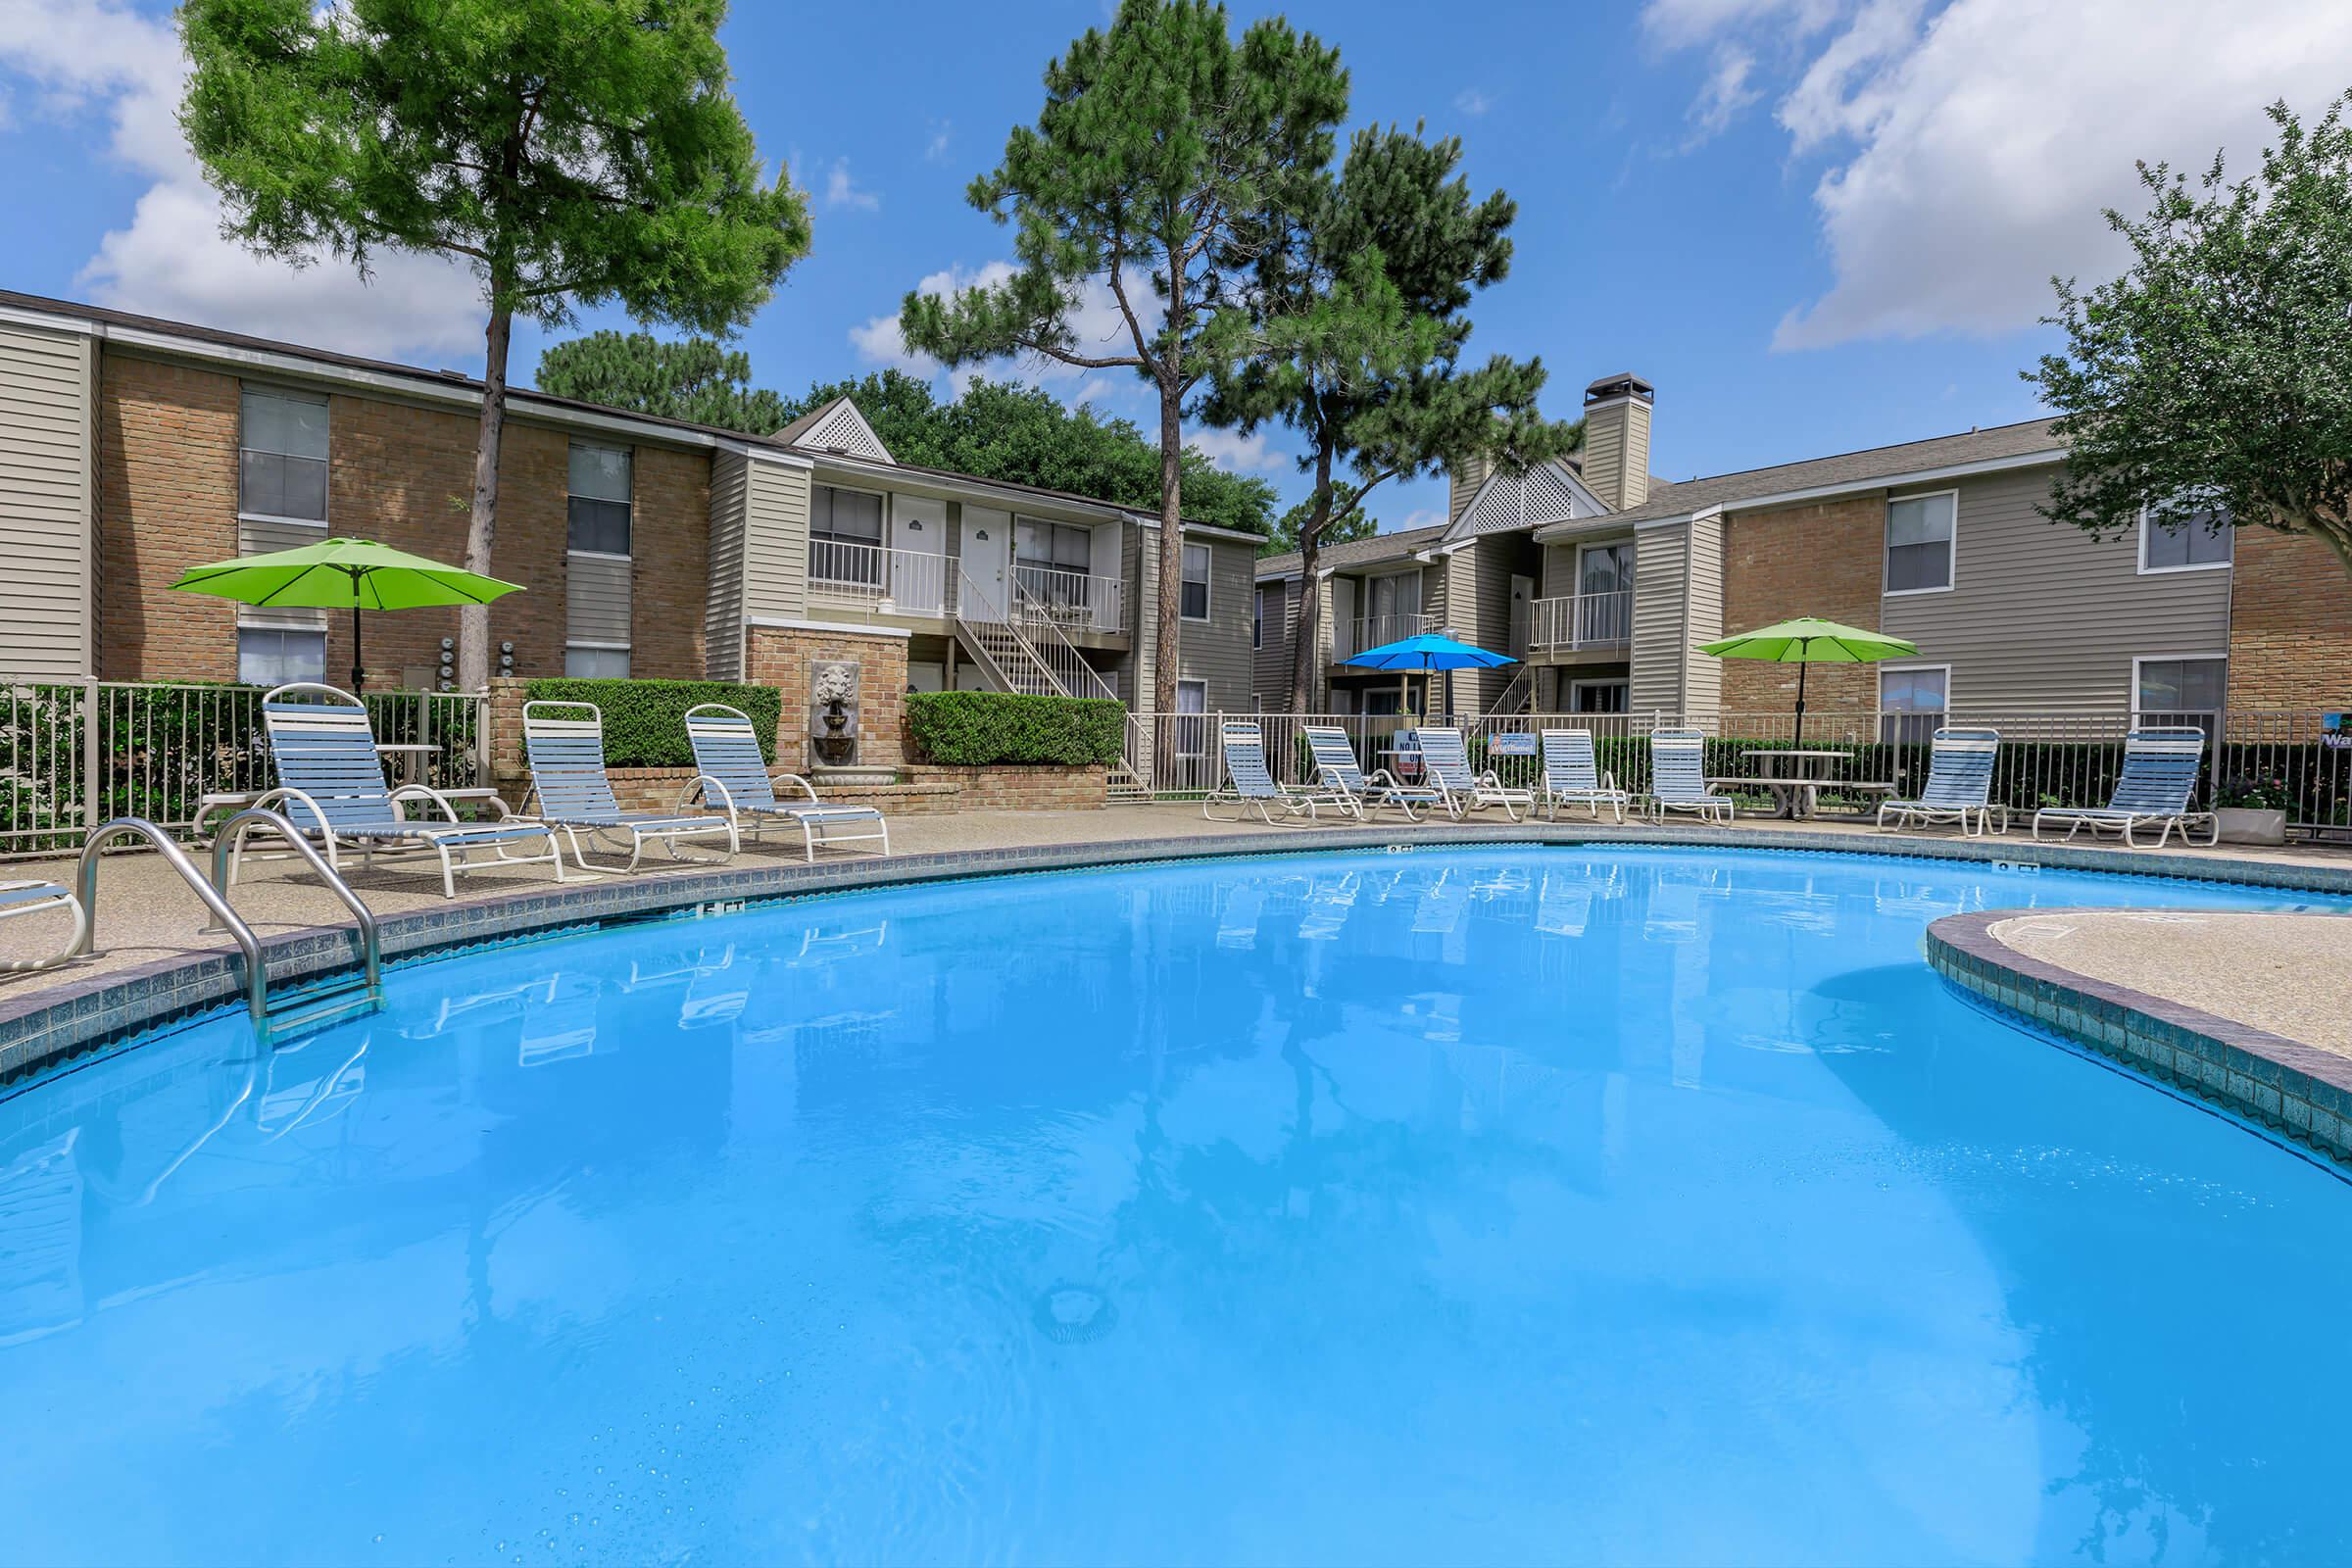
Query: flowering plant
[{"x": 2252, "y": 791}]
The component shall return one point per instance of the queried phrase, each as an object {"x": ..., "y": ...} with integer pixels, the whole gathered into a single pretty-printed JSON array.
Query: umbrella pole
[
  {"x": 358, "y": 671},
  {"x": 1801, "y": 704}
]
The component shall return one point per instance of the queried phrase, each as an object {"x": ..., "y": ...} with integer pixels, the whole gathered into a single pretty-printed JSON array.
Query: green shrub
[
  {"x": 974, "y": 729},
  {"x": 644, "y": 720}
]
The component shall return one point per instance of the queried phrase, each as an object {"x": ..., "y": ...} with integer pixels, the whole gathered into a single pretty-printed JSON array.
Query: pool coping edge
[{"x": 2292, "y": 1091}]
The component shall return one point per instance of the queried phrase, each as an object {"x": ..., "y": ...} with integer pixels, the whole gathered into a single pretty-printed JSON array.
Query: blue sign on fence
[
  {"x": 1511, "y": 743},
  {"x": 2335, "y": 730}
]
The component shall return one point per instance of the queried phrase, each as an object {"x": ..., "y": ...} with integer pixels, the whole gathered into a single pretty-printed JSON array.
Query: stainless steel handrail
[
  {"x": 256, "y": 977},
  {"x": 372, "y": 951}
]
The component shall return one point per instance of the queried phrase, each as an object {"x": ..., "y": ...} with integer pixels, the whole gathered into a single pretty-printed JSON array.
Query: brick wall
[
  {"x": 2290, "y": 624},
  {"x": 781, "y": 656},
  {"x": 404, "y": 475},
  {"x": 167, "y": 501},
  {"x": 1822, "y": 558},
  {"x": 1021, "y": 788}
]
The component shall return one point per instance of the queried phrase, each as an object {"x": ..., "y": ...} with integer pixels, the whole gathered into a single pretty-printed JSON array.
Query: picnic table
[{"x": 1795, "y": 777}]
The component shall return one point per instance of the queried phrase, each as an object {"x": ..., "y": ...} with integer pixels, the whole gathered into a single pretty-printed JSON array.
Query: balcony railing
[
  {"x": 1350, "y": 638},
  {"x": 1579, "y": 621},
  {"x": 891, "y": 582},
  {"x": 1075, "y": 600}
]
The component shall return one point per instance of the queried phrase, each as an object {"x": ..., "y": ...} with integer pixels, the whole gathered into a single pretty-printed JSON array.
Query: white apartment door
[
  {"x": 987, "y": 556},
  {"x": 918, "y": 563}
]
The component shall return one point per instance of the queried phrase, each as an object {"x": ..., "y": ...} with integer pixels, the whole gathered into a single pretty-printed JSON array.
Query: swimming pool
[{"x": 1482, "y": 1203}]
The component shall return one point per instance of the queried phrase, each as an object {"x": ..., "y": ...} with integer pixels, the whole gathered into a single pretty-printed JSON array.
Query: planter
[{"x": 2240, "y": 826}]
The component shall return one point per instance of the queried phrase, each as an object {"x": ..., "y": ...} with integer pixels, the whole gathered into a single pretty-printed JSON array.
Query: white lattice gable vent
[
  {"x": 843, "y": 430},
  {"x": 1506, "y": 501}
]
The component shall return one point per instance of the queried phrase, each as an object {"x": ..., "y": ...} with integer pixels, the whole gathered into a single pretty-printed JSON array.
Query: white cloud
[
  {"x": 1422, "y": 517},
  {"x": 1095, "y": 324},
  {"x": 1726, "y": 93},
  {"x": 843, "y": 191},
  {"x": 1471, "y": 100},
  {"x": 943, "y": 131},
  {"x": 1235, "y": 452},
  {"x": 94, "y": 57},
  {"x": 1971, "y": 150}
]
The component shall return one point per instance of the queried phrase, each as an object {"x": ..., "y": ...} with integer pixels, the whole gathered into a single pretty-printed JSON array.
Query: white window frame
[
  {"x": 600, "y": 555},
  {"x": 882, "y": 496},
  {"x": 624, "y": 649},
  {"x": 319, "y": 631},
  {"x": 2147, "y": 571},
  {"x": 1913, "y": 667},
  {"x": 1575, "y": 687},
  {"x": 2137, "y": 660},
  {"x": 1208, "y": 581},
  {"x": 1951, "y": 546},
  {"x": 1257, "y": 610},
  {"x": 292, "y": 394},
  {"x": 1197, "y": 732}
]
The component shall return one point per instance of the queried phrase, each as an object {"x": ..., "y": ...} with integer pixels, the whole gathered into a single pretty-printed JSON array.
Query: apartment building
[
  {"x": 1604, "y": 581},
  {"x": 133, "y": 449}
]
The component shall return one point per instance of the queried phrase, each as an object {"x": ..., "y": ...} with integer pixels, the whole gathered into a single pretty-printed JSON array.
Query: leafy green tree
[
  {"x": 1353, "y": 335},
  {"x": 1163, "y": 156},
  {"x": 699, "y": 379},
  {"x": 572, "y": 152},
  {"x": 2219, "y": 367},
  {"x": 1290, "y": 529}
]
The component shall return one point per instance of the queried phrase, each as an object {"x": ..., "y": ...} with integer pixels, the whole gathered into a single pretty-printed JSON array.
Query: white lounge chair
[
  {"x": 568, "y": 775},
  {"x": 1959, "y": 787},
  {"x": 1445, "y": 760},
  {"x": 1357, "y": 792},
  {"x": 1249, "y": 783},
  {"x": 2160, "y": 774},
  {"x": 1571, "y": 778},
  {"x": 734, "y": 779},
  {"x": 330, "y": 785},
  {"x": 1677, "y": 780},
  {"x": 37, "y": 898}
]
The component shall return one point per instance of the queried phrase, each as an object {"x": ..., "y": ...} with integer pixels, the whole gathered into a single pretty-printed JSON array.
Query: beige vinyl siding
[
  {"x": 1217, "y": 650},
  {"x": 722, "y": 613},
  {"x": 1493, "y": 561},
  {"x": 1702, "y": 675},
  {"x": 775, "y": 541},
  {"x": 2043, "y": 616},
  {"x": 1661, "y": 578},
  {"x": 260, "y": 536},
  {"x": 1273, "y": 661},
  {"x": 47, "y": 511},
  {"x": 1139, "y": 569},
  {"x": 1558, "y": 578}
]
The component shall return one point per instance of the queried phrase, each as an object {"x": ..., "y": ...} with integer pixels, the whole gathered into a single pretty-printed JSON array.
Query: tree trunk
[
  {"x": 481, "y": 528},
  {"x": 1307, "y": 642},
  {"x": 1168, "y": 638}
]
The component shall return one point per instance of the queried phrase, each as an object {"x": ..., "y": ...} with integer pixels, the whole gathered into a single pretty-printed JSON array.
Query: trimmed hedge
[
  {"x": 644, "y": 720},
  {"x": 976, "y": 729}
]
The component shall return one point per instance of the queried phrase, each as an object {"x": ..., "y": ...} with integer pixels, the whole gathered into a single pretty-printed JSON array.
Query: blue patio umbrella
[{"x": 1427, "y": 653}]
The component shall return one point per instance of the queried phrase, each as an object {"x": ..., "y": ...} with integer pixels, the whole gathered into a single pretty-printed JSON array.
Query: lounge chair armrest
[
  {"x": 716, "y": 796},
  {"x": 805, "y": 787},
  {"x": 410, "y": 792},
  {"x": 267, "y": 802},
  {"x": 1608, "y": 779}
]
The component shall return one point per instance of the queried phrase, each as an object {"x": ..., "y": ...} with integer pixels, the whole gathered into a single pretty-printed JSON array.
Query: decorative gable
[
  {"x": 839, "y": 428},
  {"x": 1550, "y": 492}
]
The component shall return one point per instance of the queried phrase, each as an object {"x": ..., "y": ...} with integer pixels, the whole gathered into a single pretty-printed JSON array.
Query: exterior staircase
[
  {"x": 1025, "y": 651},
  {"x": 1516, "y": 696}
]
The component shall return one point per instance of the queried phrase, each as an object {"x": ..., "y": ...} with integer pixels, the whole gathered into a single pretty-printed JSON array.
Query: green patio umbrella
[
  {"x": 343, "y": 573},
  {"x": 1808, "y": 641}
]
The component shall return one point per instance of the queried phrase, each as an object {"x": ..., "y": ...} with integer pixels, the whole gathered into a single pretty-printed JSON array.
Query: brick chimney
[
  {"x": 1617, "y": 439},
  {"x": 1462, "y": 483}
]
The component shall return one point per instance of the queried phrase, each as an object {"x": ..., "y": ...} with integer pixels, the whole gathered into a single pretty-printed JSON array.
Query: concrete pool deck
[{"x": 149, "y": 926}]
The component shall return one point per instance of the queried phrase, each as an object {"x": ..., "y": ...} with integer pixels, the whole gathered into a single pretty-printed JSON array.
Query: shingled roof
[
  {"x": 1356, "y": 551},
  {"x": 1847, "y": 469}
]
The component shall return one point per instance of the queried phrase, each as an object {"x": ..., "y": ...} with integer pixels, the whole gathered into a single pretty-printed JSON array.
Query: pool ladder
[{"x": 310, "y": 1011}]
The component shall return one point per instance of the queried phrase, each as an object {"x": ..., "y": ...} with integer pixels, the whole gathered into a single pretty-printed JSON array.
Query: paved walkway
[
  {"x": 145, "y": 913},
  {"x": 2291, "y": 974}
]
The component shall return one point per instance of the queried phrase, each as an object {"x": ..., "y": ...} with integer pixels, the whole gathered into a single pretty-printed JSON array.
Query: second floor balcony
[
  {"x": 1350, "y": 638},
  {"x": 880, "y": 580},
  {"x": 1578, "y": 624},
  {"x": 1073, "y": 600}
]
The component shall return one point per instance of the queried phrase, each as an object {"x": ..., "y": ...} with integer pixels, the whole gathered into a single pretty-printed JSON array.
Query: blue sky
[{"x": 1814, "y": 224}]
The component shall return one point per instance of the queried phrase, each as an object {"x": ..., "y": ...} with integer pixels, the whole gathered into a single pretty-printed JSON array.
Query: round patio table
[
  {"x": 1795, "y": 777},
  {"x": 407, "y": 758}
]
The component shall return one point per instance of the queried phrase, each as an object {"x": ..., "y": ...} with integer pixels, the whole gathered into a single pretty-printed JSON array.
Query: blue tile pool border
[
  {"x": 2295, "y": 1092},
  {"x": 42, "y": 1025}
]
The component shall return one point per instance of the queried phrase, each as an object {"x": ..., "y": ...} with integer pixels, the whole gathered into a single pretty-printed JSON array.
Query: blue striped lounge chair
[
  {"x": 734, "y": 779},
  {"x": 330, "y": 787},
  {"x": 1677, "y": 779},
  {"x": 566, "y": 755},
  {"x": 1959, "y": 787},
  {"x": 1571, "y": 776},
  {"x": 2160, "y": 776},
  {"x": 1446, "y": 760},
  {"x": 1250, "y": 785},
  {"x": 1353, "y": 791}
]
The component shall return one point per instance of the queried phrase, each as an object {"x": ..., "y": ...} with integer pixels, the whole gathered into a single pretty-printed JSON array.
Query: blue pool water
[{"x": 1485, "y": 1205}]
